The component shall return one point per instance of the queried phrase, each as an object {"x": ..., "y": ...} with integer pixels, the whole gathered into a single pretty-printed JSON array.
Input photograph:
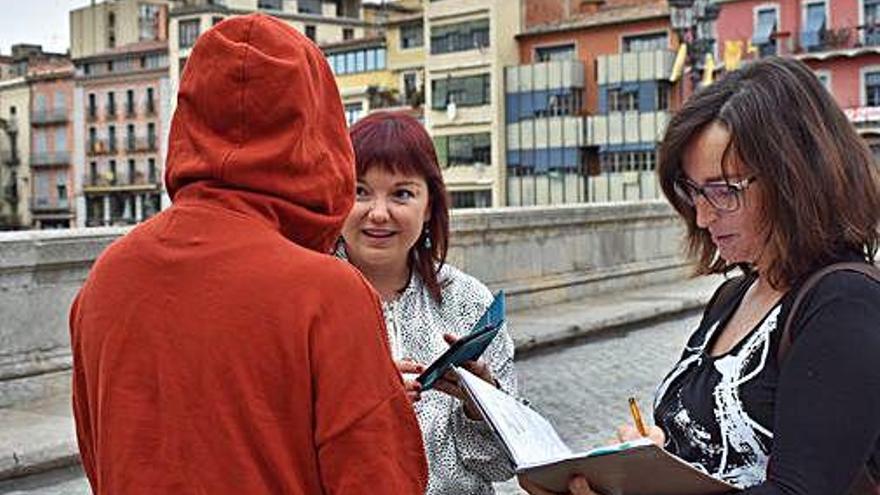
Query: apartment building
[
  {"x": 122, "y": 116},
  {"x": 839, "y": 40},
  {"x": 469, "y": 45},
  {"x": 15, "y": 132},
  {"x": 110, "y": 24},
  {"x": 324, "y": 21},
  {"x": 51, "y": 177},
  {"x": 385, "y": 68},
  {"x": 587, "y": 106}
]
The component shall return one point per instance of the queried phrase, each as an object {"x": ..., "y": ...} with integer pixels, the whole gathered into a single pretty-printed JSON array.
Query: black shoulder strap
[{"x": 785, "y": 340}]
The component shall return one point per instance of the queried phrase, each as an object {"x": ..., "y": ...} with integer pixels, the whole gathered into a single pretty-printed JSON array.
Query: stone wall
[{"x": 538, "y": 255}]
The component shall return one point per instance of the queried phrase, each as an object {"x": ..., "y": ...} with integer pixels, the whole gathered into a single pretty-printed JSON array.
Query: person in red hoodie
[{"x": 217, "y": 348}]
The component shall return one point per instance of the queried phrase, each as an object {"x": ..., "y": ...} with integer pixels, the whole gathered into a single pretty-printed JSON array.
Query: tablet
[{"x": 469, "y": 347}]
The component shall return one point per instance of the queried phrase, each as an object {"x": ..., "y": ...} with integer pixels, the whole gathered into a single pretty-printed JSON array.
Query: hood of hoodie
[{"x": 259, "y": 124}]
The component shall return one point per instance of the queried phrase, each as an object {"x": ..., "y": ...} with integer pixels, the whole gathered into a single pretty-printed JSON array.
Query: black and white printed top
[
  {"x": 816, "y": 417},
  {"x": 463, "y": 455}
]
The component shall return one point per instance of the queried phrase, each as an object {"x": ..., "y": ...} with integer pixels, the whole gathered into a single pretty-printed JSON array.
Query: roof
[
  {"x": 609, "y": 13},
  {"x": 139, "y": 47}
]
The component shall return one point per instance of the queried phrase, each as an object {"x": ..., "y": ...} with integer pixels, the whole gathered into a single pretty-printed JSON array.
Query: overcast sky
[{"x": 42, "y": 22}]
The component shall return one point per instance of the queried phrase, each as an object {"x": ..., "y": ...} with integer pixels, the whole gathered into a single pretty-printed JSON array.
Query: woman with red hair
[{"x": 397, "y": 235}]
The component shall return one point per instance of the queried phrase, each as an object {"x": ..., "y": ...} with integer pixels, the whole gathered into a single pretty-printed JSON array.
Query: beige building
[
  {"x": 113, "y": 23},
  {"x": 121, "y": 117},
  {"x": 323, "y": 21},
  {"x": 14, "y": 150},
  {"x": 385, "y": 69},
  {"x": 469, "y": 44}
]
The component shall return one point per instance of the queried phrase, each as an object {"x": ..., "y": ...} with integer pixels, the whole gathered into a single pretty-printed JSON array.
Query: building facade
[
  {"x": 468, "y": 46},
  {"x": 323, "y": 21},
  {"x": 51, "y": 85},
  {"x": 15, "y": 97},
  {"x": 588, "y": 105},
  {"x": 107, "y": 25},
  {"x": 122, "y": 115},
  {"x": 839, "y": 40}
]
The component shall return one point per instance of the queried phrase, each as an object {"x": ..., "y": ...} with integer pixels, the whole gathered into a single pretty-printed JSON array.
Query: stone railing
[{"x": 538, "y": 255}]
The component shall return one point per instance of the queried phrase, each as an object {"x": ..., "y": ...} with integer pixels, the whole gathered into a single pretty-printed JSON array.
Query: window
[
  {"x": 558, "y": 52},
  {"x": 60, "y": 102},
  {"x": 188, "y": 32},
  {"x": 111, "y": 138},
  {"x": 41, "y": 188},
  {"x": 112, "y": 168},
  {"x": 460, "y": 37},
  {"x": 410, "y": 86},
  {"x": 216, "y": 20},
  {"x": 824, "y": 78},
  {"x": 148, "y": 22},
  {"x": 151, "y": 135},
  {"x": 151, "y": 170},
  {"x": 645, "y": 42},
  {"x": 412, "y": 35},
  {"x": 132, "y": 171},
  {"x": 61, "y": 141},
  {"x": 814, "y": 31},
  {"x": 872, "y": 89},
  {"x": 181, "y": 66},
  {"x": 269, "y": 4},
  {"x": 464, "y": 149},
  {"x": 93, "y": 138},
  {"x": 371, "y": 60},
  {"x": 623, "y": 99},
  {"x": 471, "y": 199},
  {"x": 129, "y": 102},
  {"x": 40, "y": 142},
  {"x": 353, "y": 112},
  {"x": 40, "y": 103},
  {"x": 130, "y": 142},
  {"x": 357, "y": 61},
  {"x": 93, "y": 107},
  {"x": 111, "y": 104},
  {"x": 872, "y": 21},
  {"x": 765, "y": 28},
  {"x": 463, "y": 91},
  {"x": 662, "y": 101},
  {"x": 151, "y": 102},
  {"x": 628, "y": 161},
  {"x": 309, "y": 7},
  {"x": 347, "y": 34},
  {"x": 311, "y": 32},
  {"x": 93, "y": 173}
]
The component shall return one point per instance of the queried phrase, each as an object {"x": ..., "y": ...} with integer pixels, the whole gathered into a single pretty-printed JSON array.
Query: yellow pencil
[{"x": 637, "y": 417}]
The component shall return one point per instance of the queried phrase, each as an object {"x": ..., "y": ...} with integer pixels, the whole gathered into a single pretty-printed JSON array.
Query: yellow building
[
  {"x": 15, "y": 103},
  {"x": 470, "y": 43},
  {"x": 104, "y": 26},
  {"x": 383, "y": 70}
]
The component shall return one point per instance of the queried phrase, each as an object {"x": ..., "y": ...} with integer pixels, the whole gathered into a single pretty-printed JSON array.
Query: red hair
[{"x": 398, "y": 143}]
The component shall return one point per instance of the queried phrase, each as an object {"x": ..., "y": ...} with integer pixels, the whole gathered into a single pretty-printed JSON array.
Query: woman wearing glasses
[{"x": 773, "y": 181}]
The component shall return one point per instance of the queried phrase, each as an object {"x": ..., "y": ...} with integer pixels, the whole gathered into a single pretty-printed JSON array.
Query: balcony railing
[
  {"x": 653, "y": 65},
  {"x": 39, "y": 204},
  {"x": 101, "y": 147},
  {"x": 107, "y": 181},
  {"x": 50, "y": 159},
  {"x": 8, "y": 157},
  {"x": 142, "y": 144},
  {"x": 807, "y": 44},
  {"x": 50, "y": 116},
  {"x": 130, "y": 111},
  {"x": 111, "y": 110},
  {"x": 150, "y": 108}
]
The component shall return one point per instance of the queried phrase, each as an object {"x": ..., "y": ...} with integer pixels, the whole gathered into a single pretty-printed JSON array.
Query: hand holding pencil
[{"x": 638, "y": 429}]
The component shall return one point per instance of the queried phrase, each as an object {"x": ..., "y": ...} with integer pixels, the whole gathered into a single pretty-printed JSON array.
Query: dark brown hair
[
  {"x": 818, "y": 180},
  {"x": 398, "y": 143}
]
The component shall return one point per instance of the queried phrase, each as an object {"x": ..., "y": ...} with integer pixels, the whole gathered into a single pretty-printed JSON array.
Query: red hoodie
[{"x": 216, "y": 348}]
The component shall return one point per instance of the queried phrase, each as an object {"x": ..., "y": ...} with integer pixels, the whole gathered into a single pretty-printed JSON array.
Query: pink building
[
  {"x": 840, "y": 40},
  {"x": 122, "y": 107},
  {"x": 51, "y": 84}
]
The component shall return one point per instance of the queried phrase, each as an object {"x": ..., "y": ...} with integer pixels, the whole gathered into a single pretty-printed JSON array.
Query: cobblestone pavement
[{"x": 581, "y": 388}]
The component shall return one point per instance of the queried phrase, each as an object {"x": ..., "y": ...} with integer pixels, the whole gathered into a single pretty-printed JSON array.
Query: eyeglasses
[{"x": 723, "y": 196}]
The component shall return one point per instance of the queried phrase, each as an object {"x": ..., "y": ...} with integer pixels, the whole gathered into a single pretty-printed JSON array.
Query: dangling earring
[{"x": 427, "y": 235}]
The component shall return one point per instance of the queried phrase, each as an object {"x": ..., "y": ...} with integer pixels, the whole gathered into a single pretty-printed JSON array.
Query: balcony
[
  {"x": 550, "y": 132},
  {"x": 50, "y": 159},
  {"x": 545, "y": 75},
  {"x": 111, "y": 111},
  {"x": 141, "y": 144},
  {"x": 50, "y": 116},
  {"x": 651, "y": 65},
  {"x": 92, "y": 114},
  {"x": 150, "y": 108},
  {"x": 48, "y": 205},
  {"x": 130, "y": 112},
  {"x": 108, "y": 182},
  {"x": 100, "y": 147},
  {"x": 10, "y": 158},
  {"x": 845, "y": 40},
  {"x": 632, "y": 127}
]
